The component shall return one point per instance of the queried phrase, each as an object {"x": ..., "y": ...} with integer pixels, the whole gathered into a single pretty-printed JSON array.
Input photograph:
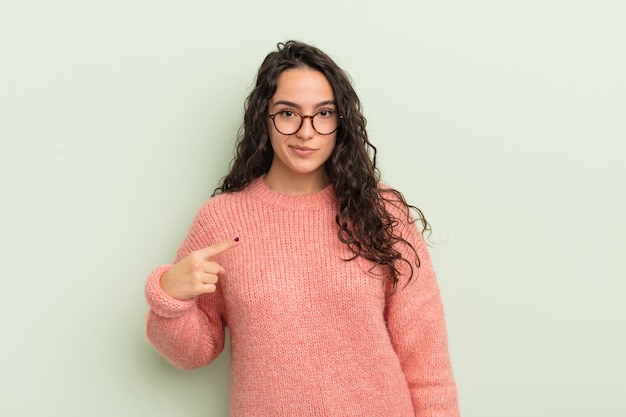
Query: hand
[{"x": 195, "y": 274}]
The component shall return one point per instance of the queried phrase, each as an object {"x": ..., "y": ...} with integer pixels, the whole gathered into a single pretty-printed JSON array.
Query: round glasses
[{"x": 288, "y": 122}]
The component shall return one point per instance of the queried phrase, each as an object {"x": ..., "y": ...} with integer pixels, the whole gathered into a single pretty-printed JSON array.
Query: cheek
[
  {"x": 332, "y": 145},
  {"x": 272, "y": 135},
  {"x": 330, "y": 150},
  {"x": 275, "y": 140}
]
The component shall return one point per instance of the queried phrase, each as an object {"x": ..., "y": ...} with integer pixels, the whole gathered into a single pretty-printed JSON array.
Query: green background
[{"x": 503, "y": 120}]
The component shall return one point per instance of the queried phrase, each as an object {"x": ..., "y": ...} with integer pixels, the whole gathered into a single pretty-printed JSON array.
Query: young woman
[{"x": 316, "y": 268}]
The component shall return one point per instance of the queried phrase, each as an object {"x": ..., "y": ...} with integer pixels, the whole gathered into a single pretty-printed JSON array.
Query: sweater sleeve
[
  {"x": 415, "y": 320},
  {"x": 188, "y": 333}
]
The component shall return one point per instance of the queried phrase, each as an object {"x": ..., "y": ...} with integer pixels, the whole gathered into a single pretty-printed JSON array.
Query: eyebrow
[{"x": 292, "y": 104}]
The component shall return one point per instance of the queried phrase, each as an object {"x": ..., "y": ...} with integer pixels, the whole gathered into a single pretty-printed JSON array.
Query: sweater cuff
[{"x": 160, "y": 303}]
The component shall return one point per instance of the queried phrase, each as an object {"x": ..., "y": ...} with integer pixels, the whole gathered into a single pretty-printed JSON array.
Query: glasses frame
[{"x": 305, "y": 116}]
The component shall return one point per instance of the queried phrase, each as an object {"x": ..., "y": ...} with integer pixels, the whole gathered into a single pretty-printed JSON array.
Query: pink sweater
[{"x": 311, "y": 334}]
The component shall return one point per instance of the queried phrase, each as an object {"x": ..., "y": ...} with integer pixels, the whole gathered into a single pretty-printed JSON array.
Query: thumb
[{"x": 217, "y": 248}]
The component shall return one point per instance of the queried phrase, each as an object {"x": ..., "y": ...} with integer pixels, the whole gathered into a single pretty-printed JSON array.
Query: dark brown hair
[{"x": 364, "y": 222}]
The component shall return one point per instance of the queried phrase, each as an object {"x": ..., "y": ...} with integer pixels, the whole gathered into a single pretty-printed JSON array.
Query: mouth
[{"x": 302, "y": 150}]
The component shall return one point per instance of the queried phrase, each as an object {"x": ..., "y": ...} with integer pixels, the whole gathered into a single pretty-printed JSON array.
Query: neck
[{"x": 295, "y": 184}]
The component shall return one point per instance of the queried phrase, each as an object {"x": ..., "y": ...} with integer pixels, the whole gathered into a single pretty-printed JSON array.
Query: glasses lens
[
  {"x": 325, "y": 122},
  {"x": 287, "y": 122}
]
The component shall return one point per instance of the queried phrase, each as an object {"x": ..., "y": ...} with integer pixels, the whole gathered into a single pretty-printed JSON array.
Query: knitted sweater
[{"x": 311, "y": 334}]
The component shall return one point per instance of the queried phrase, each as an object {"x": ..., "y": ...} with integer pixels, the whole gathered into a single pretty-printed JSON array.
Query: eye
[
  {"x": 326, "y": 113},
  {"x": 287, "y": 114}
]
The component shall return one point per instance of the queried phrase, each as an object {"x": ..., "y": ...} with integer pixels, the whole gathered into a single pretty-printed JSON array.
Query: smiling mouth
[{"x": 302, "y": 150}]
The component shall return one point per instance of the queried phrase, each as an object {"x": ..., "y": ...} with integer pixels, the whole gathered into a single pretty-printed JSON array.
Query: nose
[{"x": 306, "y": 131}]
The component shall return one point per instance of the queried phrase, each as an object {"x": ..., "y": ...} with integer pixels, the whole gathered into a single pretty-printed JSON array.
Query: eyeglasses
[{"x": 288, "y": 122}]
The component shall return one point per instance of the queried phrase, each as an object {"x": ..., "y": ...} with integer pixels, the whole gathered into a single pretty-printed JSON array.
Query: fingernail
[{"x": 237, "y": 239}]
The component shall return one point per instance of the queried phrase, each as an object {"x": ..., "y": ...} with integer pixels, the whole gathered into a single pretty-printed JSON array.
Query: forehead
[{"x": 302, "y": 86}]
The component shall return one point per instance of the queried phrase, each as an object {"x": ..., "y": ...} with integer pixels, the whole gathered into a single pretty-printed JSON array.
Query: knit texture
[{"x": 311, "y": 334}]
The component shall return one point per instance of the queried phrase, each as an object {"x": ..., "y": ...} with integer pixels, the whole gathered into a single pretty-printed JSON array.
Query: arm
[
  {"x": 189, "y": 333},
  {"x": 415, "y": 319}
]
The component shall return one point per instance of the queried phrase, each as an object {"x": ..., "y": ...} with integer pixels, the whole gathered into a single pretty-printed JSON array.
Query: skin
[
  {"x": 297, "y": 168},
  {"x": 298, "y": 164},
  {"x": 197, "y": 273}
]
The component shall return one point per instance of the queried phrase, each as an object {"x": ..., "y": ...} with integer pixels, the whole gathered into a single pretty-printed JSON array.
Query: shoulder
[
  {"x": 217, "y": 219},
  {"x": 409, "y": 221},
  {"x": 231, "y": 204},
  {"x": 388, "y": 192},
  {"x": 223, "y": 203},
  {"x": 394, "y": 202}
]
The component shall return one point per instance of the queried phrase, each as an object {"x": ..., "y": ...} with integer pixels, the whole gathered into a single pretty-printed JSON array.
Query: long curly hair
[{"x": 364, "y": 222}]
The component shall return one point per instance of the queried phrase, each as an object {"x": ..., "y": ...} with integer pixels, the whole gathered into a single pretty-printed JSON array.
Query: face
[{"x": 300, "y": 157}]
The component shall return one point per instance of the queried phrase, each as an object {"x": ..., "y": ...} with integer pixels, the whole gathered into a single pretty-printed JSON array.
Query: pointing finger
[{"x": 216, "y": 249}]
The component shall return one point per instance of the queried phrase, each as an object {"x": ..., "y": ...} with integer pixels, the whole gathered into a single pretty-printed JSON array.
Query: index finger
[{"x": 217, "y": 248}]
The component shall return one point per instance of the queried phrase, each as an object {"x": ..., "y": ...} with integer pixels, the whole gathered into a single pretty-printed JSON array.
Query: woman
[{"x": 318, "y": 271}]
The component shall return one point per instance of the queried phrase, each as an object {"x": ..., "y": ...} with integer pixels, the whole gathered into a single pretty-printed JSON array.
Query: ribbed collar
[{"x": 319, "y": 200}]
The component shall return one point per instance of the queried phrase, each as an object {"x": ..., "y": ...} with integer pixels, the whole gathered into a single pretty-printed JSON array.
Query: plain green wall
[{"x": 503, "y": 121}]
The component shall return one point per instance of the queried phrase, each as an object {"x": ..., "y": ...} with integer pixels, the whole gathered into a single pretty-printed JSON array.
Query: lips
[{"x": 302, "y": 150}]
